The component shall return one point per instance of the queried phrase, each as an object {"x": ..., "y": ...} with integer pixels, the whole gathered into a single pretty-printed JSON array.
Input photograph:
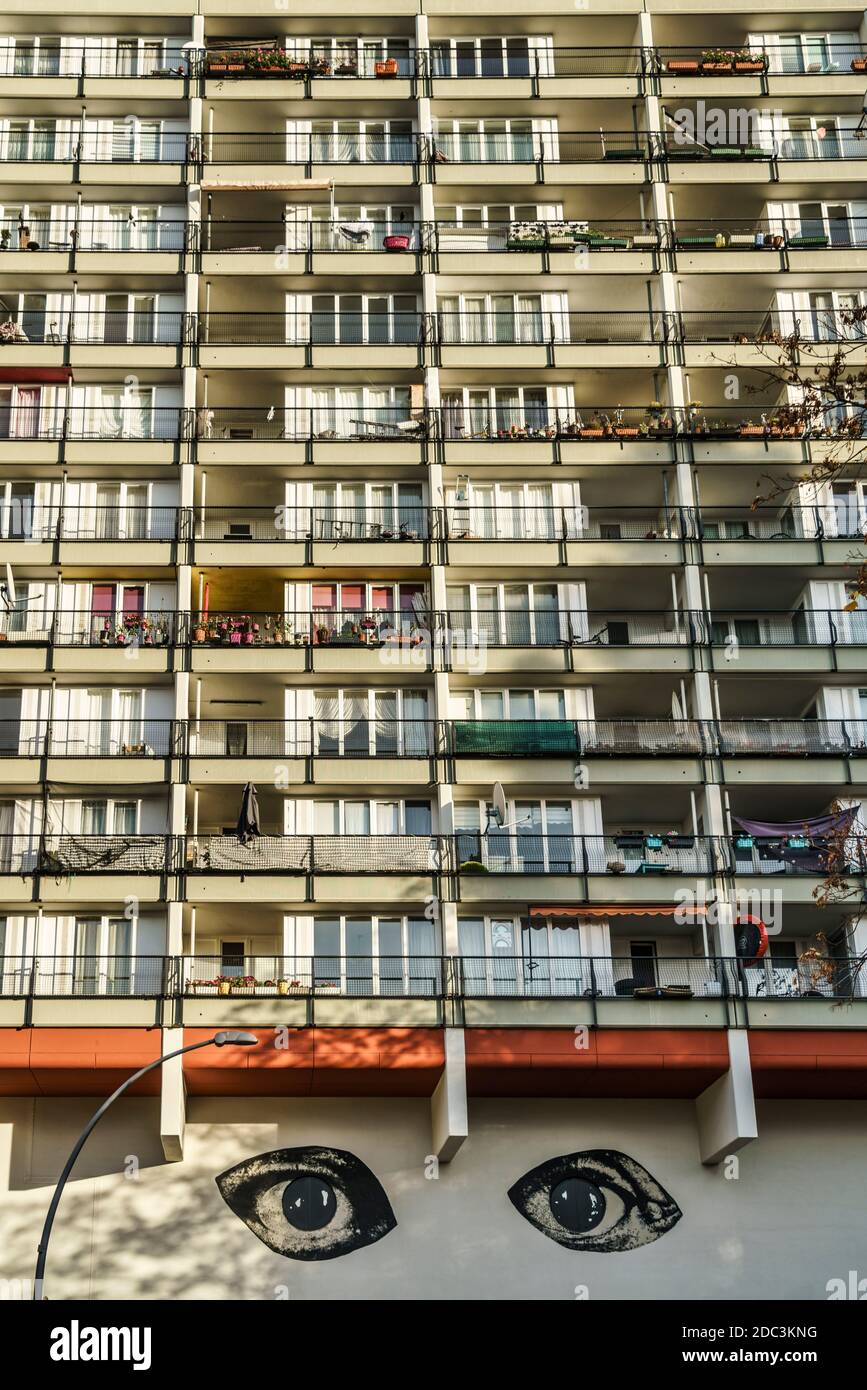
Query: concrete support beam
[
  {"x": 726, "y": 1111},
  {"x": 448, "y": 1105},
  {"x": 173, "y": 1099}
]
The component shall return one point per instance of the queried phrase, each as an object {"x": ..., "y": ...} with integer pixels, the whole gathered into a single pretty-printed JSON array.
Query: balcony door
[{"x": 103, "y": 958}]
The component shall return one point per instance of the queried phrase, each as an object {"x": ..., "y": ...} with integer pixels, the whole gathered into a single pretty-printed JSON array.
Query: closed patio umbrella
[{"x": 248, "y": 819}]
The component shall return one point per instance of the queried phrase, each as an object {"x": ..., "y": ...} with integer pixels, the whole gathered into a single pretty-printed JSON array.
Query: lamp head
[{"x": 238, "y": 1039}]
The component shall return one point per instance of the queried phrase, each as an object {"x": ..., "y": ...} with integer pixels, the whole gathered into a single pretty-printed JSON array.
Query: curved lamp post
[{"x": 218, "y": 1040}]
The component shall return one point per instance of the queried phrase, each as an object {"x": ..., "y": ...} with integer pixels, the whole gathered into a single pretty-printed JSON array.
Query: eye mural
[
  {"x": 599, "y": 1200},
  {"x": 308, "y": 1203}
]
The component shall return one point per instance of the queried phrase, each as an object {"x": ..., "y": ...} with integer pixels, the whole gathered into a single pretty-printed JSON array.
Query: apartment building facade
[{"x": 428, "y": 642}]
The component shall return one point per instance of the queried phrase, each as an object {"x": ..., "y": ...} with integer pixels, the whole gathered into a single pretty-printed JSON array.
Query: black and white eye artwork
[
  {"x": 600, "y": 1200},
  {"x": 308, "y": 1203}
]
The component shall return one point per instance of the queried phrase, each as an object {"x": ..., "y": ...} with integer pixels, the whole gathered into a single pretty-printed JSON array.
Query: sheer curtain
[
  {"x": 327, "y": 726},
  {"x": 471, "y": 939}
]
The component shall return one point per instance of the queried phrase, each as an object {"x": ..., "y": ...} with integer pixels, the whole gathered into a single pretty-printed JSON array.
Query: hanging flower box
[
  {"x": 592, "y": 433},
  {"x": 626, "y": 431},
  {"x": 748, "y": 431},
  {"x": 687, "y": 66},
  {"x": 386, "y": 68},
  {"x": 398, "y": 241},
  {"x": 859, "y": 64},
  {"x": 750, "y": 64}
]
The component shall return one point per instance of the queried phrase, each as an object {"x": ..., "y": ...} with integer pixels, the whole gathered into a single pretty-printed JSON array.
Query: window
[{"x": 376, "y": 955}]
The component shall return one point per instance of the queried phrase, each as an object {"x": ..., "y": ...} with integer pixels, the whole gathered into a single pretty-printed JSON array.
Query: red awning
[{"x": 35, "y": 376}]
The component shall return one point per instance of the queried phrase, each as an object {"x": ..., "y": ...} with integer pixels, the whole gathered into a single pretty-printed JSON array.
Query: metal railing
[
  {"x": 357, "y": 235},
  {"x": 492, "y": 61},
  {"x": 304, "y": 64},
  {"x": 58, "y": 146},
  {"x": 496, "y": 522},
  {"x": 532, "y": 147},
  {"x": 357, "y": 976},
  {"x": 145, "y": 234},
  {"x": 405, "y": 521},
  {"x": 380, "y": 423},
  {"x": 465, "y": 853},
  {"x": 321, "y": 738},
  {"x": 27, "y": 521},
  {"x": 295, "y": 147},
  {"x": 538, "y": 421},
  {"x": 493, "y": 329},
  {"x": 798, "y": 737},
  {"x": 127, "y": 60},
  {"x": 607, "y": 234},
  {"x": 57, "y": 854},
  {"x": 809, "y": 627},
  {"x": 68, "y": 628},
  {"x": 527, "y": 738},
  {"x": 770, "y": 234},
  {"x": 832, "y": 521},
  {"x": 164, "y": 326},
  {"x": 351, "y": 627},
  {"x": 553, "y": 627},
  {"x": 750, "y": 326},
  {"x": 835, "y": 145},
  {"x": 383, "y": 976},
  {"x": 740, "y": 60},
  {"x": 313, "y": 328},
  {"x": 106, "y": 421}
]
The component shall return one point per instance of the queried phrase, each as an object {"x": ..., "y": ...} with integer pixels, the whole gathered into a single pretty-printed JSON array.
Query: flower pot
[
  {"x": 750, "y": 65},
  {"x": 282, "y": 986},
  {"x": 626, "y": 432},
  {"x": 716, "y": 67},
  {"x": 685, "y": 65},
  {"x": 750, "y": 430},
  {"x": 859, "y": 65},
  {"x": 591, "y": 434},
  {"x": 399, "y": 241},
  {"x": 387, "y": 68},
  {"x": 225, "y": 987}
]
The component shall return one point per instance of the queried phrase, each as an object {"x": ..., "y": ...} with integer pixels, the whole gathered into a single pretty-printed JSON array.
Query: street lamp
[{"x": 221, "y": 1039}]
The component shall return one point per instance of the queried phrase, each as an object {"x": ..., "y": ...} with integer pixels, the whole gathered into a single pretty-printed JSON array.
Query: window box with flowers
[
  {"x": 715, "y": 60},
  {"x": 12, "y": 332},
  {"x": 386, "y": 68}
]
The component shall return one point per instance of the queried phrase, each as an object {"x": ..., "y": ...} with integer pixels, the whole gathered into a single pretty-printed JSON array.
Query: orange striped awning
[{"x": 616, "y": 911}]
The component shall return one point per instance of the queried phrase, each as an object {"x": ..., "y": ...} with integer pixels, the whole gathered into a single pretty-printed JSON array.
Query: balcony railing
[
  {"x": 834, "y": 521},
  {"x": 800, "y": 233},
  {"x": 380, "y": 423},
  {"x": 342, "y": 328},
  {"x": 359, "y": 977},
  {"x": 495, "y": 329},
  {"x": 129, "y": 234},
  {"x": 764, "y": 326},
  {"x": 92, "y": 60},
  {"x": 129, "y": 423},
  {"x": 606, "y": 234},
  {"x": 531, "y": 147},
  {"x": 347, "y": 147},
  {"x": 802, "y": 628},
  {"x": 544, "y": 627},
  {"x": 57, "y": 146},
  {"x": 840, "y": 737},
  {"x": 402, "y": 522},
  {"x": 801, "y": 145},
  {"x": 351, "y": 627},
  {"x": 321, "y": 738},
  {"x": 55, "y": 854},
  {"x": 310, "y": 854},
  {"x": 67, "y": 628},
  {"x": 466, "y": 853},
  {"x": 303, "y": 64},
  {"x": 383, "y": 976},
  {"x": 319, "y": 236},
  {"x": 25, "y": 521},
  {"x": 527, "y": 738},
  {"x": 742, "y": 60},
  {"x": 106, "y": 327},
  {"x": 490, "y": 61},
  {"x": 498, "y": 523}
]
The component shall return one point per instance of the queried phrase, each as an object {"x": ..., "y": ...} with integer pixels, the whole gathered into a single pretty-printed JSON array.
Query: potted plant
[
  {"x": 616, "y": 866},
  {"x": 386, "y": 68},
  {"x": 717, "y": 60},
  {"x": 859, "y": 64},
  {"x": 473, "y": 866},
  {"x": 750, "y": 431},
  {"x": 224, "y": 983},
  {"x": 396, "y": 241},
  {"x": 745, "y": 61}
]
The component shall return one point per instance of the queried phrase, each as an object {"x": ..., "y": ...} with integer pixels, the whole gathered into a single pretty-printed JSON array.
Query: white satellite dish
[
  {"x": 10, "y": 586},
  {"x": 498, "y": 801},
  {"x": 676, "y": 711}
]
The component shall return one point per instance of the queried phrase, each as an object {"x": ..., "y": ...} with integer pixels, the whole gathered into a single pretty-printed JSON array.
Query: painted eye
[
  {"x": 599, "y": 1200},
  {"x": 310, "y": 1203}
]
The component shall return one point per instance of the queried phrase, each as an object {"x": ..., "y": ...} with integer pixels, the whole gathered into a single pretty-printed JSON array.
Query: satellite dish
[
  {"x": 498, "y": 801},
  {"x": 676, "y": 711},
  {"x": 751, "y": 940},
  {"x": 10, "y": 586}
]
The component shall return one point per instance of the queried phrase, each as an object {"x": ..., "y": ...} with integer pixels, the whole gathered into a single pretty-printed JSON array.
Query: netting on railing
[{"x": 71, "y": 854}]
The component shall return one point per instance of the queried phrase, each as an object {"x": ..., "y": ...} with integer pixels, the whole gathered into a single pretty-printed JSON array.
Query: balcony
[
  {"x": 567, "y": 738},
  {"x": 523, "y": 73},
  {"x": 133, "y": 424},
  {"x": 101, "y": 339},
  {"x": 759, "y": 338},
  {"x": 777, "y": 64},
  {"x": 294, "y": 248},
  {"x": 319, "y": 536},
  {"x": 340, "y": 739},
  {"x": 65, "y": 158},
  {"x": 311, "y": 339},
  {"x": 320, "y": 640},
  {"x": 244, "y": 157},
  {"x": 793, "y": 158},
  {"x": 560, "y": 246},
  {"x": 563, "y": 157},
  {"x": 157, "y": 62},
  {"x": 298, "y": 434},
  {"x": 89, "y": 739},
  {"x": 580, "y": 338}
]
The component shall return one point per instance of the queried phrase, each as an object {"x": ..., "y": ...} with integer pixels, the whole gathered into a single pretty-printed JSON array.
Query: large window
[{"x": 376, "y": 955}]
